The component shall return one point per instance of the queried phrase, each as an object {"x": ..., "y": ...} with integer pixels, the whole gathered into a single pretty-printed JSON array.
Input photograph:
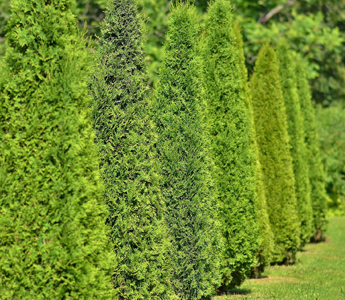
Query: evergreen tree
[
  {"x": 186, "y": 167},
  {"x": 53, "y": 236},
  {"x": 230, "y": 139},
  {"x": 266, "y": 244},
  {"x": 274, "y": 154},
  {"x": 125, "y": 137},
  {"x": 316, "y": 171},
  {"x": 297, "y": 143}
]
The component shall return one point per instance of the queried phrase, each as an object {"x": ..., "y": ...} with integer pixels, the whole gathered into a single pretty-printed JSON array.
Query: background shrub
[
  {"x": 316, "y": 169},
  {"x": 297, "y": 138},
  {"x": 331, "y": 127},
  {"x": 274, "y": 153},
  {"x": 266, "y": 241}
]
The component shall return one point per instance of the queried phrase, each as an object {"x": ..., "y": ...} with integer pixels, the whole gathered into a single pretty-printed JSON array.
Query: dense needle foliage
[
  {"x": 125, "y": 137},
  {"x": 297, "y": 138},
  {"x": 53, "y": 237},
  {"x": 230, "y": 139},
  {"x": 274, "y": 153},
  {"x": 266, "y": 241},
  {"x": 316, "y": 171},
  {"x": 186, "y": 167}
]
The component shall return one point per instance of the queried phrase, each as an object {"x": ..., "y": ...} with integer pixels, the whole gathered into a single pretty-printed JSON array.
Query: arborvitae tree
[
  {"x": 316, "y": 171},
  {"x": 186, "y": 165},
  {"x": 274, "y": 154},
  {"x": 125, "y": 137},
  {"x": 53, "y": 236},
  {"x": 230, "y": 139},
  {"x": 266, "y": 244},
  {"x": 296, "y": 132}
]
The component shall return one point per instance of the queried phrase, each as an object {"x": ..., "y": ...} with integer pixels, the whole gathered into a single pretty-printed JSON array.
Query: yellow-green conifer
[
  {"x": 316, "y": 170},
  {"x": 230, "y": 137},
  {"x": 274, "y": 154},
  {"x": 296, "y": 132},
  {"x": 54, "y": 242},
  {"x": 266, "y": 244}
]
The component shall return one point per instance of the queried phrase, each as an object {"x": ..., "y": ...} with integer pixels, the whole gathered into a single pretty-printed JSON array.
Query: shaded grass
[{"x": 318, "y": 274}]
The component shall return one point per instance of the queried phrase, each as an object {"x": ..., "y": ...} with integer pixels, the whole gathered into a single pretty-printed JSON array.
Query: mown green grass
[{"x": 318, "y": 274}]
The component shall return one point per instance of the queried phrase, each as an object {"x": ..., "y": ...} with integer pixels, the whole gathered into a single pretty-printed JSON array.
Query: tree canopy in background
[
  {"x": 4, "y": 16},
  {"x": 315, "y": 29}
]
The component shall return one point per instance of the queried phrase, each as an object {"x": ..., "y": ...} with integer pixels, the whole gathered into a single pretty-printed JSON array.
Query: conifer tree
[
  {"x": 230, "y": 139},
  {"x": 297, "y": 143},
  {"x": 316, "y": 171},
  {"x": 53, "y": 236},
  {"x": 186, "y": 167},
  {"x": 125, "y": 137},
  {"x": 266, "y": 243},
  {"x": 274, "y": 154}
]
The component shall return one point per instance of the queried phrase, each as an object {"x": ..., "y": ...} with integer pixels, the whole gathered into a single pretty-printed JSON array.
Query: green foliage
[
  {"x": 4, "y": 17},
  {"x": 296, "y": 132},
  {"x": 266, "y": 240},
  {"x": 230, "y": 143},
  {"x": 125, "y": 137},
  {"x": 311, "y": 28},
  {"x": 319, "y": 273},
  {"x": 316, "y": 171},
  {"x": 53, "y": 237},
  {"x": 274, "y": 153},
  {"x": 156, "y": 14},
  {"x": 186, "y": 165},
  {"x": 90, "y": 12},
  {"x": 331, "y": 128}
]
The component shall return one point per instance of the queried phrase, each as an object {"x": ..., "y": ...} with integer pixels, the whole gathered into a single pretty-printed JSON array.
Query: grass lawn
[{"x": 318, "y": 274}]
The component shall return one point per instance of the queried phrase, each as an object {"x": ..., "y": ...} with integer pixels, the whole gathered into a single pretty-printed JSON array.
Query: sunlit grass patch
[{"x": 318, "y": 274}]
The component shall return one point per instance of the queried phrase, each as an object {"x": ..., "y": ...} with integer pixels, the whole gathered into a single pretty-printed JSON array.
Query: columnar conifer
[
  {"x": 230, "y": 139},
  {"x": 53, "y": 236},
  {"x": 186, "y": 167},
  {"x": 125, "y": 137},
  {"x": 266, "y": 244},
  {"x": 274, "y": 153},
  {"x": 316, "y": 171},
  {"x": 297, "y": 143}
]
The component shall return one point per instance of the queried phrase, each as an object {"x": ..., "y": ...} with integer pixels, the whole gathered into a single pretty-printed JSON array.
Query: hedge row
[{"x": 110, "y": 190}]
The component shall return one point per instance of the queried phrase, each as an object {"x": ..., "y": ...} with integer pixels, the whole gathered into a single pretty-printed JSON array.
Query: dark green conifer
[
  {"x": 186, "y": 167},
  {"x": 316, "y": 171},
  {"x": 296, "y": 132},
  {"x": 53, "y": 236},
  {"x": 274, "y": 154},
  {"x": 266, "y": 244},
  {"x": 230, "y": 139},
  {"x": 125, "y": 137}
]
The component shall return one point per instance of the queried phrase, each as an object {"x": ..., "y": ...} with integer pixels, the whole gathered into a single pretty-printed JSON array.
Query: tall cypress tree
[
  {"x": 313, "y": 158},
  {"x": 297, "y": 136},
  {"x": 186, "y": 167},
  {"x": 125, "y": 136},
  {"x": 266, "y": 244},
  {"x": 274, "y": 153},
  {"x": 230, "y": 139},
  {"x": 53, "y": 237}
]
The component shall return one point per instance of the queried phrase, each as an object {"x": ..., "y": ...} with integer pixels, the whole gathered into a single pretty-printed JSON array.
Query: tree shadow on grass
[
  {"x": 239, "y": 291},
  {"x": 236, "y": 291}
]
